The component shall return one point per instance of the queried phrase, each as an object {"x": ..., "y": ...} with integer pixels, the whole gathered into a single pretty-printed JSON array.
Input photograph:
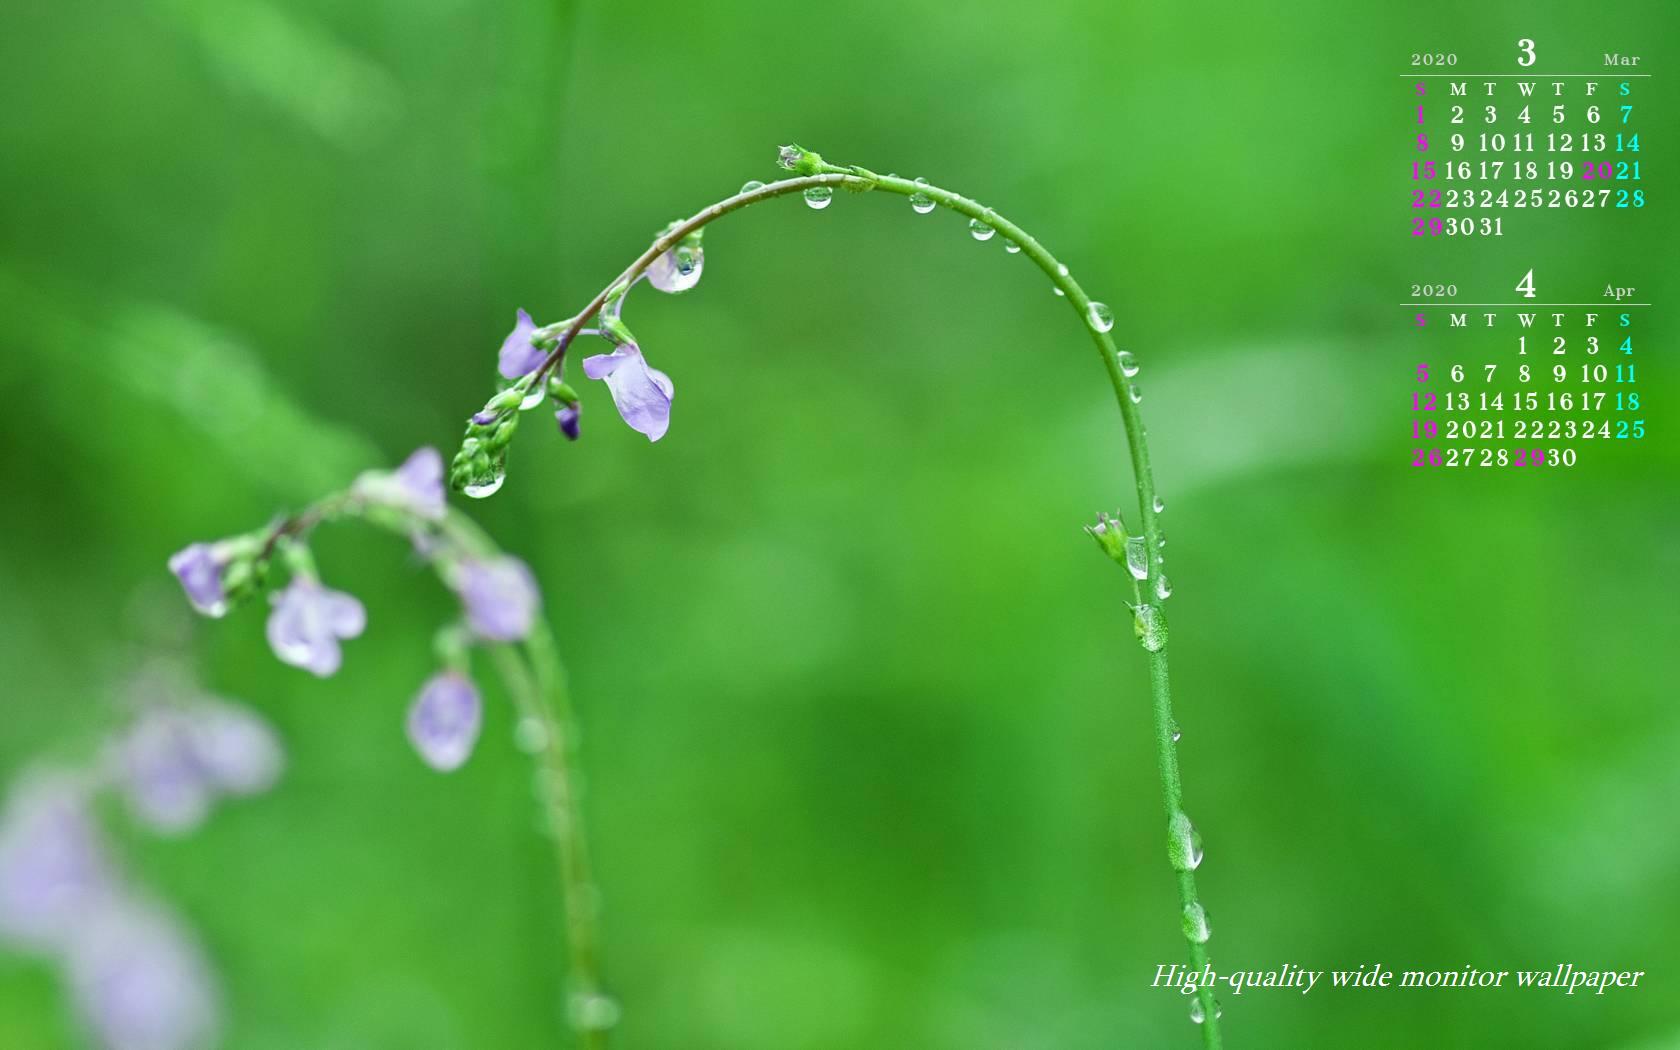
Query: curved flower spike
[
  {"x": 415, "y": 487},
  {"x": 641, "y": 394},
  {"x": 307, "y": 622},
  {"x": 443, "y": 721},
  {"x": 518, "y": 356},
  {"x": 501, "y": 598},
  {"x": 200, "y": 571}
]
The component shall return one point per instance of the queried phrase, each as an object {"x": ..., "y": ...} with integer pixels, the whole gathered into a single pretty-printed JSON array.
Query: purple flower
[
  {"x": 200, "y": 571},
  {"x": 176, "y": 760},
  {"x": 138, "y": 980},
  {"x": 501, "y": 597},
  {"x": 53, "y": 868},
  {"x": 307, "y": 622},
  {"x": 642, "y": 394},
  {"x": 416, "y": 486},
  {"x": 237, "y": 751},
  {"x": 443, "y": 721},
  {"x": 568, "y": 419},
  {"x": 518, "y": 356}
]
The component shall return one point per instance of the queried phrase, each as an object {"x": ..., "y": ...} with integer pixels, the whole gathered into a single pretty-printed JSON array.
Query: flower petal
[
  {"x": 307, "y": 622},
  {"x": 518, "y": 356},
  {"x": 500, "y": 596},
  {"x": 200, "y": 573},
  {"x": 641, "y": 394},
  {"x": 444, "y": 720}
]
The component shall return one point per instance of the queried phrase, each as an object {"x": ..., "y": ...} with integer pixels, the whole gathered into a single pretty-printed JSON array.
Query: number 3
[{"x": 1526, "y": 46}]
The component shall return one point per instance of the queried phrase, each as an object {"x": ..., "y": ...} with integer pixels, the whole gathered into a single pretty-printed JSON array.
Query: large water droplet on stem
[
  {"x": 1137, "y": 557},
  {"x": 1184, "y": 844},
  {"x": 1198, "y": 1014},
  {"x": 750, "y": 185},
  {"x": 1196, "y": 924},
  {"x": 1128, "y": 364},
  {"x": 1099, "y": 316},
  {"x": 921, "y": 203},
  {"x": 1163, "y": 587},
  {"x": 817, "y": 197},
  {"x": 979, "y": 230}
]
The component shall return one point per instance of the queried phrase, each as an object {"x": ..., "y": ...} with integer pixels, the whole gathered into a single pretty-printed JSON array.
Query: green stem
[
  {"x": 539, "y": 694},
  {"x": 1172, "y": 790},
  {"x": 858, "y": 178}
]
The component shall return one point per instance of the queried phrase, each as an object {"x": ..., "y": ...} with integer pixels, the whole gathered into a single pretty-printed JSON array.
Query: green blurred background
[{"x": 867, "y": 739}]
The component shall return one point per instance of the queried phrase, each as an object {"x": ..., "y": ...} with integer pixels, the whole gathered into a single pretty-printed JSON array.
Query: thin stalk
[
  {"x": 858, "y": 178},
  {"x": 539, "y": 694}
]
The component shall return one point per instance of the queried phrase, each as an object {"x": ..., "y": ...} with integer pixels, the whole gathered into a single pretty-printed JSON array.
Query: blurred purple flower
[
  {"x": 138, "y": 980},
  {"x": 53, "y": 867},
  {"x": 501, "y": 597},
  {"x": 518, "y": 356},
  {"x": 443, "y": 721},
  {"x": 415, "y": 487},
  {"x": 642, "y": 394},
  {"x": 568, "y": 419},
  {"x": 199, "y": 569},
  {"x": 307, "y": 622},
  {"x": 175, "y": 761}
]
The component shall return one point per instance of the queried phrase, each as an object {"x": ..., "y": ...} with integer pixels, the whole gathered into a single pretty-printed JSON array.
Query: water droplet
[
  {"x": 1150, "y": 627},
  {"x": 1196, "y": 924},
  {"x": 819, "y": 196},
  {"x": 1198, "y": 1014},
  {"x": 1176, "y": 732},
  {"x": 594, "y": 1012},
  {"x": 750, "y": 185},
  {"x": 1184, "y": 843},
  {"x": 530, "y": 736},
  {"x": 1057, "y": 290},
  {"x": 1062, "y": 269},
  {"x": 1134, "y": 393},
  {"x": 1160, "y": 504},
  {"x": 1099, "y": 316},
  {"x": 677, "y": 270},
  {"x": 1011, "y": 247},
  {"x": 788, "y": 157},
  {"x": 921, "y": 203},
  {"x": 1160, "y": 539},
  {"x": 1137, "y": 557},
  {"x": 1163, "y": 587},
  {"x": 486, "y": 485},
  {"x": 979, "y": 230},
  {"x": 1128, "y": 364}
]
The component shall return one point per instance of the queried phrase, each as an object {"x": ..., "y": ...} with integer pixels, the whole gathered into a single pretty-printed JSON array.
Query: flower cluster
[
  {"x": 641, "y": 393},
  {"x": 309, "y": 622},
  {"x": 135, "y": 975}
]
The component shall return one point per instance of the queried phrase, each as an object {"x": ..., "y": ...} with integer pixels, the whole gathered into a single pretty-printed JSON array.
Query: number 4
[{"x": 1526, "y": 285}]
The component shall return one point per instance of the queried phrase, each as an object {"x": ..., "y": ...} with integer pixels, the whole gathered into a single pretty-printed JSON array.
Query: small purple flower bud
[
  {"x": 518, "y": 356},
  {"x": 53, "y": 868},
  {"x": 642, "y": 394},
  {"x": 500, "y": 596},
  {"x": 416, "y": 486},
  {"x": 443, "y": 721},
  {"x": 200, "y": 572},
  {"x": 307, "y": 622},
  {"x": 568, "y": 419},
  {"x": 139, "y": 982},
  {"x": 485, "y": 418}
]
